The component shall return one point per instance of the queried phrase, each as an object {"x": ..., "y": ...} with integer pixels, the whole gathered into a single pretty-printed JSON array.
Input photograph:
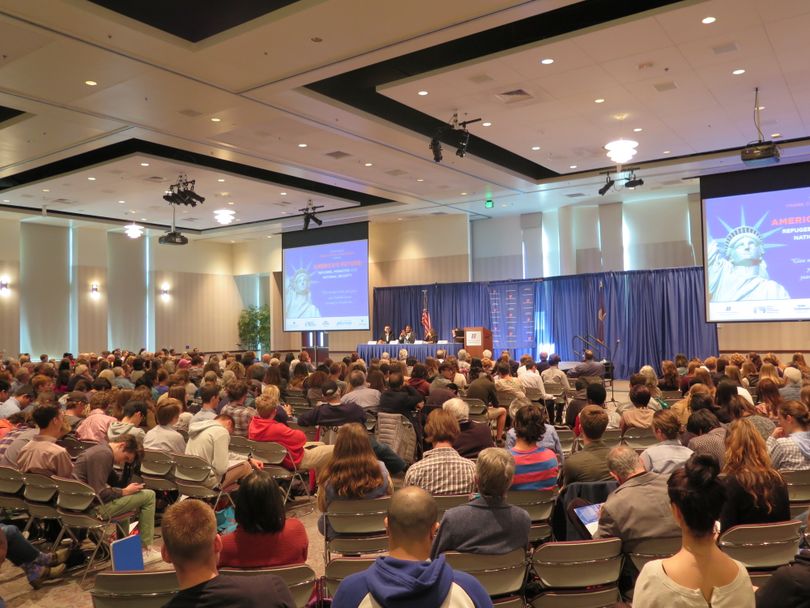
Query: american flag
[{"x": 426, "y": 325}]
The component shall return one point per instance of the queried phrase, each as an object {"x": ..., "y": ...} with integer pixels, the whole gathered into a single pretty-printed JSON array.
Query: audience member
[
  {"x": 536, "y": 467},
  {"x": 507, "y": 387},
  {"x": 130, "y": 424},
  {"x": 578, "y": 401},
  {"x": 683, "y": 408},
  {"x": 38, "y": 567},
  {"x": 191, "y": 544},
  {"x": 209, "y": 395},
  {"x": 442, "y": 471},
  {"x": 788, "y": 585},
  {"x": 487, "y": 525},
  {"x": 550, "y": 439},
  {"x": 94, "y": 427},
  {"x": 352, "y": 473},
  {"x": 589, "y": 463},
  {"x": 210, "y": 440},
  {"x": 700, "y": 574},
  {"x": 23, "y": 396},
  {"x": 331, "y": 411},
  {"x": 769, "y": 399},
  {"x": 237, "y": 409},
  {"x": 406, "y": 576},
  {"x": 42, "y": 454},
  {"x": 554, "y": 375},
  {"x": 588, "y": 367},
  {"x": 669, "y": 454},
  {"x": 789, "y": 445},
  {"x": 792, "y": 389},
  {"x": 96, "y": 466},
  {"x": 596, "y": 396},
  {"x": 265, "y": 537},
  {"x": 639, "y": 415},
  {"x": 360, "y": 394},
  {"x": 709, "y": 435},
  {"x": 473, "y": 436},
  {"x": 163, "y": 437},
  {"x": 75, "y": 408}
]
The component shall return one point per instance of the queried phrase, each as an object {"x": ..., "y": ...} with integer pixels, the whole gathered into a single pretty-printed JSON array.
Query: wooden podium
[{"x": 477, "y": 340}]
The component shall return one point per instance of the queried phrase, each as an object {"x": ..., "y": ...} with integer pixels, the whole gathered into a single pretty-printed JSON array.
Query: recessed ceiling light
[
  {"x": 547, "y": 61},
  {"x": 302, "y": 145},
  {"x": 399, "y": 219},
  {"x": 572, "y": 166},
  {"x": 92, "y": 179},
  {"x": 667, "y": 152},
  {"x": 535, "y": 148},
  {"x": 738, "y": 72},
  {"x": 5, "y": 200},
  {"x": 708, "y": 20},
  {"x": 269, "y": 236},
  {"x": 419, "y": 179},
  {"x": 90, "y": 83},
  {"x": 283, "y": 193},
  {"x": 760, "y": 107},
  {"x": 231, "y": 203},
  {"x": 283, "y": 213},
  {"x": 369, "y": 164},
  {"x": 221, "y": 180},
  {"x": 215, "y": 119},
  {"x": 143, "y": 219},
  {"x": 776, "y": 135},
  {"x": 144, "y": 164},
  {"x": 232, "y": 242},
  {"x": 422, "y": 93},
  {"x": 121, "y": 202},
  {"x": 638, "y": 130},
  {"x": 504, "y": 205},
  {"x": 599, "y": 100},
  {"x": 486, "y": 124},
  {"x": 463, "y": 194},
  {"x": 45, "y": 190}
]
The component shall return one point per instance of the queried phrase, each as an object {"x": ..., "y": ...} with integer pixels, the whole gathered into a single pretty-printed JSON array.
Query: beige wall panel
[
  {"x": 257, "y": 257},
  {"x": 126, "y": 291},
  {"x": 92, "y": 321},
  {"x": 434, "y": 236},
  {"x": 204, "y": 257},
  {"x": 10, "y": 307},
  {"x": 764, "y": 337},
  {"x": 498, "y": 268}
]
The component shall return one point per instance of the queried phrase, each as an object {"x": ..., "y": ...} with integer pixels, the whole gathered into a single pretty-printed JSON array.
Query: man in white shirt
[
  {"x": 554, "y": 374},
  {"x": 531, "y": 381}
]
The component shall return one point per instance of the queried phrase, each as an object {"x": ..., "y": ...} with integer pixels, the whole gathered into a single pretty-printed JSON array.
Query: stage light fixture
[
  {"x": 182, "y": 193},
  {"x": 463, "y": 141},
  {"x": 457, "y": 129},
  {"x": 436, "y": 148},
  {"x": 633, "y": 182},
  {"x": 309, "y": 214},
  {"x": 4, "y": 286},
  {"x": 608, "y": 185}
]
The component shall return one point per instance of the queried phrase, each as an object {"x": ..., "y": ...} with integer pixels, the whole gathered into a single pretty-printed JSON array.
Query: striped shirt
[
  {"x": 786, "y": 454},
  {"x": 442, "y": 472},
  {"x": 534, "y": 469}
]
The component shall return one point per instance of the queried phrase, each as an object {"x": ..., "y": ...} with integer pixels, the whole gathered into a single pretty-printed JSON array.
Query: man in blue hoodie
[{"x": 406, "y": 577}]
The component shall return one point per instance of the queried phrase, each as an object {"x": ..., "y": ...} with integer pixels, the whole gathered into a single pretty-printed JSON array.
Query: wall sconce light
[
  {"x": 94, "y": 292},
  {"x": 164, "y": 292},
  {"x": 4, "y": 289}
]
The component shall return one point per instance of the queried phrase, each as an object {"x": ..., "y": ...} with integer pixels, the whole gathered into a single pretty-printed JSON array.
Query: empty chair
[
  {"x": 134, "y": 589},
  {"x": 539, "y": 504},
  {"x": 359, "y": 527},
  {"x": 273, "y": 454},
  {"x": 341, "y": 567},
  {"x": 798, "y": 483},
  {"x": 639, "y": 439},
  {"x": 300, "y": 580},
  {"x": 39, "y": 496},
  {"x": 591, "y": 567},
  {"x": 567, "y": 438},
  {"x": 157, "y": 469},
  {"x": 762, "y": 546},
  {"x": 500, "y": 575},
  {"x": 12, "y": 485}
]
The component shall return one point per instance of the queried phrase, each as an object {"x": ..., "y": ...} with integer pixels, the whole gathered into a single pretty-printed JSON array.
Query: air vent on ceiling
[
  {"x": 155, "y": 179},
  {"x": 284, "y": 204},
  {"x": 514, "y": 96},
  {"x": 338, "y": 154},
  {"x": 481, "y": 78},
  {"x": 27, "y": 195},
  {"x": 662, "y": 87},
  {"x": 63, "y": 201},
  {"x": 117, "y": 171},
  {"x": 722, "y": 49},
  {"x": 191, "y": 219},
  {"x": 575, "y": 195},
  {"x": 439, "y": 213},
  {"x": 108, "y": 191},
  {"x": 396, "y": 172},
  {"x": 190, "y": 113}
]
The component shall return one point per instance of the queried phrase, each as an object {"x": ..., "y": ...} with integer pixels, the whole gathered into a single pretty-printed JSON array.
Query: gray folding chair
[
  {"x": 597, "y": 598},
  {"x": 478, "y": 409},
  {"x": 39, "y": 496},
  {"x": 639, "y": 439},
  {"x": 191, "y": 474},
  {"x": 798, "y": 484},
  {"x": 359, "y": 527},
  {"x": 300, "y": 580},
  {"x": 762, "y": 546},
  {"x": 310, "y": 432},
  {"x": 448, "y": 502},
  {"x": 539, "y": 504},
  {"x": 239, "y": 445},
  {"x": 567, "y": 438},
  {"x": 341, "y": 567},
  {"x": 501, "y": 575},
  {"x": 134, "y": 589},
  {"x": 653, "y": 548},
  {"x": 12, "y": 502},
  {"x": 273, "y": 455},
  {"x": 75, "y": 446},
  {"x": 157, "y": 470}
]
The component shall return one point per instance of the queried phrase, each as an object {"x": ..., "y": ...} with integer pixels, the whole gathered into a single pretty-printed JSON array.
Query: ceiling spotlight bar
[
  {"x": 630, "y": 180},
  {"x": 309, "y": 214},
  {"x": 457, "y": 129},
  {"x": 182, "y": 193}
]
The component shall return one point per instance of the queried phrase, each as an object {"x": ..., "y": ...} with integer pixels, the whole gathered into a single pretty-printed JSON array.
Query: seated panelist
[
  {"x": 406, "y": 336},
  {"x": 387, "y": 335}
]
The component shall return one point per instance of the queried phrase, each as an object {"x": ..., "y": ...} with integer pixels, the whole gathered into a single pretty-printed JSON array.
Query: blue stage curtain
[
  {"x": 398, "y": 307},
  {"x": 685, "y": 329}
]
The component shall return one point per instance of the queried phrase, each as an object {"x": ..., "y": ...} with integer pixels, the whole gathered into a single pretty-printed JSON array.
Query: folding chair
[
  {"x": 593, "y": 379},
  {"x": 12, "y": 503},
  {"x": 273, "y": 455},
  {"x": 533, "y": 394},
  {"x": 300, "y": 580},
  {"x": 134, "y": 589},
  {"x": 589, "y": 567},
  {"x": 501, "y": 575},
  {"x": 191, "y": 474},
  {"x": 762, "y": 546},
  {"x": 448, "y": 502},
  {"x": 75, "y": 446},
  {"x": 341, "y": 567},
  {"x": 359, "y": 527},
  {"x": 77, "y": 504},
  {"x": 310, "y": 432},
  {"x": 39, "y": 496},
  {"x": 639, "y": 439},
  {"x": 157, "y": 469},
  {"x": 671, "y": 395},
  {"x": 478, "y": 410},
  {"x": 567, "y": 438},
  {"x": 798, "y": 484},
  {"x": 539, "y": 504},
  {"x": 239, "y": 445},
  {"x": 653, "y": 548}
]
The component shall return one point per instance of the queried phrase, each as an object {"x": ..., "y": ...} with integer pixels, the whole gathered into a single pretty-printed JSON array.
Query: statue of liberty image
[
  {"x": 737, "y": 270},
  {"x": 298, "y": 297}
]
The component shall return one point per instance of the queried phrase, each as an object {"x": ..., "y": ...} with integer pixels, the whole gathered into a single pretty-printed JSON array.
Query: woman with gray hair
[
  {"x": 487, "y": 525},
  {"x": 474, "y": 436}
]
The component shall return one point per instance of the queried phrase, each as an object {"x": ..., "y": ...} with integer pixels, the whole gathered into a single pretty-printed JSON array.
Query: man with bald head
[{"x": 406, "y": 576}]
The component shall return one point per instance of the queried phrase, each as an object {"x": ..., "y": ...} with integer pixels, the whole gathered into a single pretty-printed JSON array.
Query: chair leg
[{"x": 99, "y": 543}]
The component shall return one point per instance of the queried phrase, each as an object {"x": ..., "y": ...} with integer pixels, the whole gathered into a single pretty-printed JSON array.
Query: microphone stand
[{"x": 613, "y": 371}]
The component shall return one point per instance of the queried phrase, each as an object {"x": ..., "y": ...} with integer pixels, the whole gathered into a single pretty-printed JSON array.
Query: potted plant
[{"x": 254, "y": 328}]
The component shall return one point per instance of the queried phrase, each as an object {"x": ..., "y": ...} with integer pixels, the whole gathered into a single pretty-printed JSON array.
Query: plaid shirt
[
  {"x": 786, "y": 455},
  {"x": 442, "y": 472},
  {"x": 241, "y": 415}
]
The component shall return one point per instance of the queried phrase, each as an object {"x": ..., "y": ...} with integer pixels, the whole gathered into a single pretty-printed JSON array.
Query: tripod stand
[{"x": 613, "y": 372}]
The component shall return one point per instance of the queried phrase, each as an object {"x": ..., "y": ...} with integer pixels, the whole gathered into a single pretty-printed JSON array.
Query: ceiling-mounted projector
[
  {"x": 765, "y": 151},
  {"x": 173, "y": 238}
]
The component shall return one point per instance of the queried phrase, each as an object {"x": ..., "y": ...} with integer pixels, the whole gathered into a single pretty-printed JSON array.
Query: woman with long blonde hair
[
  {"x": 769, "y": 371},
  {"x": 755, "y": 492},
  {"x": 769, "y": 398},
  {"x": 353, "y": 472}
]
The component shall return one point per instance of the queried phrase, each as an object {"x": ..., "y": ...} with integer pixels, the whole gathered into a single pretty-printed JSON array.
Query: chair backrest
[
  {"x": 597, "y": 598},
  {"x": 11, "y": 481},
  {"x": 448, "y": 502},
  {"x": 74, "y": 495},
  {"x": 567, "y": 438},
  {"x": 157, "y": 463},
  {"x": 675, "y": 395},
  {"x": 239, "y": 445},
  {"x": 593, "y": 379},
  {"x": 310, "y": 432},
  {"x": 134, "y": 589},
  {"x": 612, "y": 437},
  {"x": 191, "y": 468},
  {"x": 532, "y": 393},
  {"x": 39, "y": 488},
  {"x": 762, "y": 545},
  {"x": 354, "y": 517},
  {"x": 639, "y": 439},
  {"x": 539, "y": 504},
  {"x": 798, "y": 483},
  {"x": 341, "y": 567},
  {"x": 554, "y": 388},
  {"x": 478, "y": 409},
  {"x": 300, "y": 580},
  {"x": 498, "y": 574},
  {"x": 578, "y": 564},
  {"x": 268, "y": 452},
  {"x": 654, "y": 548}
]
